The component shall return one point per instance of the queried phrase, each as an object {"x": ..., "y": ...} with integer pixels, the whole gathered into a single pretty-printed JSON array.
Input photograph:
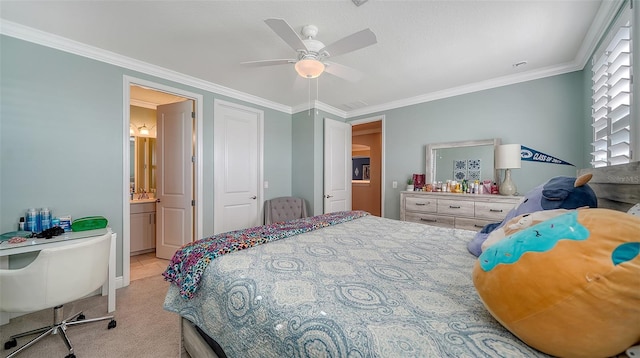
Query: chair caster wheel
[
  {"x": 10, "y": 344},
  {"x": 70, "y": 356},
  {"x": 81, "y": 317},
  {"x": 112, "y": 324}
]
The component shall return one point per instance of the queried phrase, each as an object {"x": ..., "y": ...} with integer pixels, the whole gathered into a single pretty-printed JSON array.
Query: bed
[{"x": 365, "y": 287}]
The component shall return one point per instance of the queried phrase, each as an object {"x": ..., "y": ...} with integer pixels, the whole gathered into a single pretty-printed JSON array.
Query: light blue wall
[
  {"x": 61, "y": 137},
  {"x": 545, "y": 114},
  {"x": 302, "y": 158},
  {"x": 308, "y": 157}
]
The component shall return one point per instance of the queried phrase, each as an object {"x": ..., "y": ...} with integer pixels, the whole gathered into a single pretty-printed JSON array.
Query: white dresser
[{"x": 460, "y": 211}]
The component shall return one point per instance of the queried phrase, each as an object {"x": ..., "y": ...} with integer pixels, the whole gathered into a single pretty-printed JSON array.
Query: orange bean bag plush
[{"x": 568, "y": 286}]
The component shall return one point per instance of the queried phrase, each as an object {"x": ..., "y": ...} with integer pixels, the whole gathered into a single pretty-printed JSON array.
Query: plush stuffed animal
[
  {"x": 568, "y": 286},
  {"x": 557, "y": 193},
  {"x": 519, "y": 223}
]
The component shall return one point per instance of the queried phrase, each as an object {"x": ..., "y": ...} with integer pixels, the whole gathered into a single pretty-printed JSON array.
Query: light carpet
[{"x": 143, "y": 329}]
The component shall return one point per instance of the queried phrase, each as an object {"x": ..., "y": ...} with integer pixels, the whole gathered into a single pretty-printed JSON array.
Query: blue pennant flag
[{"x": 533, "y": 155}]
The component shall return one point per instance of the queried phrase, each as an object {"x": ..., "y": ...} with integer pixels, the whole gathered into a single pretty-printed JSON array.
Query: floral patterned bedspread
[
  {"x": 370, "y": 287},
  {"x": 188, "y": 263}
]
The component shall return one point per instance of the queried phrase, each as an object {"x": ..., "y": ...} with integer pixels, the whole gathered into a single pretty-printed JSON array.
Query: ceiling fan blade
[
  {"x": 268, "y": 62},
  {"x": 352, "y": 42},
  {"x": 286, "y": 33},
  {"x": 342, "y": 71}
]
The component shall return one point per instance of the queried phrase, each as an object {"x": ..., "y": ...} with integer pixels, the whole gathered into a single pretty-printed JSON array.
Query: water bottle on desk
[
  {"x": 45, "y": 219},
  {"x": 31, "y": 220}
]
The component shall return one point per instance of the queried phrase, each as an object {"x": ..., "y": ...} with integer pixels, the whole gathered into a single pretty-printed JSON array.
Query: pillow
[
  {"x": 557, "y": 193},
  {"x": 568, "y": 286}
]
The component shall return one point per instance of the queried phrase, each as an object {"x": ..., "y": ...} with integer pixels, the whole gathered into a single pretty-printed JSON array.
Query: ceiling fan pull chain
[{"x": 309, "y": 96}]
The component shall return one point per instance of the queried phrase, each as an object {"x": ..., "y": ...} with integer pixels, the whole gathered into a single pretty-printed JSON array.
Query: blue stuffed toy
[{"x": 557, "y": 193}]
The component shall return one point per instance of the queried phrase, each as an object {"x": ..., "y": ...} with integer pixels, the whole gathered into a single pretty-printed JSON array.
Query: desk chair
[
  {"x": 283, "y": 209},
  {"x": 57, "y": 276}
]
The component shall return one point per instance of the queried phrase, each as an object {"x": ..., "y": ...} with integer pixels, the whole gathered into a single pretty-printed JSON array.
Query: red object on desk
[{"x": 418, "y": 181}]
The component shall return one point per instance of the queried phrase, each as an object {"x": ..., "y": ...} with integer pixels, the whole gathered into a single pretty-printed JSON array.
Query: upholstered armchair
[{"x": 283, "y": 209}]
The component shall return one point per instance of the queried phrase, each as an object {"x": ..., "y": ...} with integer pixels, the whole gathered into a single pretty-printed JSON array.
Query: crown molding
[
  {"x": 320, "y": 106},
  {"x": 601, "y": 22},
  {"x": 143, "y": 104},
  {"x": 469, "y": 88},
  {"x": 606, "y": 13},
  {"x": 46, "y": 39}
]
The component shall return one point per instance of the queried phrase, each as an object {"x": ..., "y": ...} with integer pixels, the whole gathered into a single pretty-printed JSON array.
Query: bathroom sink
[{"x": 140, "y": 201}]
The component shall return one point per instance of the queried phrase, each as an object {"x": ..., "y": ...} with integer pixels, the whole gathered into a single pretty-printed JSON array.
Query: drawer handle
[
  {"x": 454, "y": 207},
  {"x": 495, "y": 210},
  {"x": 480, "y": 226},
  {"x": 421, "y": 204},
  {"x": 429, "y": 220}
]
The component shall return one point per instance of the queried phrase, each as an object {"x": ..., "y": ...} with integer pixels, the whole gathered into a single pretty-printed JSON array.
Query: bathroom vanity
[{"x": 143, "y": 226}]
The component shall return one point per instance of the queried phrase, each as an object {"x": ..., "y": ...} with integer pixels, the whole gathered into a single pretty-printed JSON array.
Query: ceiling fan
[{"x": 312, "y": 57}]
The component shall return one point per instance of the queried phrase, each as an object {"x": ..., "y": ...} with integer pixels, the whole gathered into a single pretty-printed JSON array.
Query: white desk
[{"x": 33, "y": 245}]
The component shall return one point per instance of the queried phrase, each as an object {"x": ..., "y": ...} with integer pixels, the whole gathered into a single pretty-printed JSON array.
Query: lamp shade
[
  {"x": 309, "y": 68},
  {"x": 508, "y": 156}
]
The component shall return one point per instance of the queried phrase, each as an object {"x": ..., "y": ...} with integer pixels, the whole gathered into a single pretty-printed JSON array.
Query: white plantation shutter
[{"x": 611, "y": 88}]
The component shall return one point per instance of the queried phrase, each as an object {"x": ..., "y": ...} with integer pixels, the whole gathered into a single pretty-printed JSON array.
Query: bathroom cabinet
[{"x": 143, "y": 227}]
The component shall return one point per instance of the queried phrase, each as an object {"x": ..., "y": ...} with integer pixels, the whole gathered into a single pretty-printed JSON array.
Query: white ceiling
[{"x": 425, "y": 50}]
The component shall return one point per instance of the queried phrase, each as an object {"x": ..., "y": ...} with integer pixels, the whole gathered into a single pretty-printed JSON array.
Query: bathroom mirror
[
  {"x": 143, "y": 157},
  {"x": 469, "y": 160}
]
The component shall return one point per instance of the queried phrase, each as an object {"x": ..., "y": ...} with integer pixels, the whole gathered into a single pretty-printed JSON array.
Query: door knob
[
  {"x": 253, "y": 197},
  {"x": 158, "y": 200},
  {"x": 328, "y": 196}
]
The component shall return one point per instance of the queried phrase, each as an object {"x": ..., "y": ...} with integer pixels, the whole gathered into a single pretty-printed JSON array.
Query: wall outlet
[{"x": 394, "y": 184}]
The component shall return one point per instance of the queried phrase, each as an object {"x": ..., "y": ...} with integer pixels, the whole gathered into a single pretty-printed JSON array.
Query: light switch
[{"x": 394, "y": 184}]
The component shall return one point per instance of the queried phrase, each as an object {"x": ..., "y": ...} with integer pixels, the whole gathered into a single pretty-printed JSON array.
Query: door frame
[
  {"x": 198, "y": 177},
  {"x": 382, "y": 170}
]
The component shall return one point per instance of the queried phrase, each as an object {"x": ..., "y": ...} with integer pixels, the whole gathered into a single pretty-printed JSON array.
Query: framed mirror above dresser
[{"x": 471, "y": 160}]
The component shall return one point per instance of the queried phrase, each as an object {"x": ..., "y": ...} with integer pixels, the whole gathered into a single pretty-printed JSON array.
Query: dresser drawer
[
  {"x": 435, "y": 220},
  {"x": 455, "y": 207},
  {"x": 426, "y": 205},
  {"x": 471, "y": 224},
  {"x": 492, "y": 211}
]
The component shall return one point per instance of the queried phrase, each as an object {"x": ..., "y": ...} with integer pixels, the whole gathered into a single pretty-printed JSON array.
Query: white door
[
  {"x": 174, "y": 178},
  {"x": 337, "y": 166},
  {"x": 237, "y": 148}
]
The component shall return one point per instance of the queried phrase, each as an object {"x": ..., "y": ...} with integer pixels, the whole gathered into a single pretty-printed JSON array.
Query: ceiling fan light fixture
[{"x": 309, "y": 68}]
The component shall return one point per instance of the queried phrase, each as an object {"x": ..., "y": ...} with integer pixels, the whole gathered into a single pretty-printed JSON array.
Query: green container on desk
[{"x": 89, "y": 223}]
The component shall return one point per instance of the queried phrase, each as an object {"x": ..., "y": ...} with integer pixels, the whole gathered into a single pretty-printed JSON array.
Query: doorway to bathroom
[{"x": 162, "y": 175}]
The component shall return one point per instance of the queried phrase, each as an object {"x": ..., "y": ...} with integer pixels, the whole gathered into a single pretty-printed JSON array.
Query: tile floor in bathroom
[{"x": 147, "y": 265}]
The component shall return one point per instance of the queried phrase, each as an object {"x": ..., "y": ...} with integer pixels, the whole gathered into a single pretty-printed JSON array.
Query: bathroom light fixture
[
  {"x": 309, "y": 68},
  {"x": 143, "y": 130},
  {"x": 507, "y": 158}
]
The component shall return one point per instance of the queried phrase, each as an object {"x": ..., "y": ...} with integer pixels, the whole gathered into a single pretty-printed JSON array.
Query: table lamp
[{"x": 507, "y": 158}]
